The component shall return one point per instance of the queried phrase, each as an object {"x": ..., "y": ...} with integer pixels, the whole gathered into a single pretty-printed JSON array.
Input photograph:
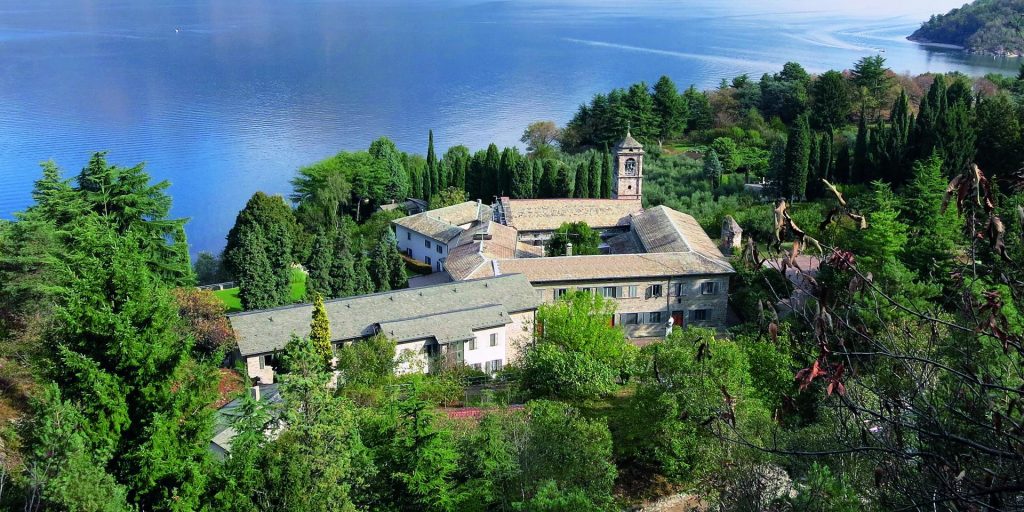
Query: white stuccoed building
[{"x": 427, "y": 236}]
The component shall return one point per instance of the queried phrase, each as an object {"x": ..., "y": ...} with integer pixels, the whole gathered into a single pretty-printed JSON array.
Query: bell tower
[{"x": 629, "y": 169}]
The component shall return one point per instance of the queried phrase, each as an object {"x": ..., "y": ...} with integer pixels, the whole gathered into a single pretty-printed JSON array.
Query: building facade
[
  {"x": 483, "y": 323},
  {"x": 427, "y": 236}
]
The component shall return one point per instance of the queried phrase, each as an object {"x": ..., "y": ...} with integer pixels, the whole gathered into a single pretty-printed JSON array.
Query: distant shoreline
[{"x": 926, "y": 42}]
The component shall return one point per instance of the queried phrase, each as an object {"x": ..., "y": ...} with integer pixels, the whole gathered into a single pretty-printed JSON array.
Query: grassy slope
[{"x": 234, "y": 304}]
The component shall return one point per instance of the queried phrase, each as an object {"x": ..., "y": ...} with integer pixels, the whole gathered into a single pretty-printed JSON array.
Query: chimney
[
  {"x": 255, "y": 392},
  {"x": 568, "y": 248}
]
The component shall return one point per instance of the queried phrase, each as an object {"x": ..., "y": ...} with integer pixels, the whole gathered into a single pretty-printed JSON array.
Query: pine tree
[
  {"x": 276, "y": 223},
  {"x": 258, "y": 286},
  {"x": 320, "y": 331},
  {"x": 669, "y": 109},
  {"x": 362, "y": 282},
  {"x": 432, "y": 168},
  {"x": 860, "y": 172},
  {"x": 119, "y": 350},
  {"x": 387, "y": 267},
  {"x": 318, "y": 267},
  {"x": 798, "y": 149},
  {"x": 594, "y": 181},
  {"x": 343, "y": 272},
  {"x": 933, "y": 231},
  {"x": 606, "y": 175}
]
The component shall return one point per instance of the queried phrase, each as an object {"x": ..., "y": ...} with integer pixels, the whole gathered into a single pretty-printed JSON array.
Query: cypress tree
[
  {"x": 565, "y": 180},
  {"x": 507, "y": 168},
  {"x": 594, "y": 183},
  {"x": 606, "y": 175},
  {"x": 522, "y": 179},
  {"x": 581, "y": 185},
  {"x": 258, "y": 283},
  {"x": 859, "y": 171},
  {"x": 396, "y": 185},
  {"x": 491, "y": 174},
  {"x": 549, "y": 182},
  {"x": 798, "y": 149},
  {"x": 320, "y": 331},
  {"x": 475, "y": 176},
  {"x": 826, "y": 159},
  {"x": 318, "y": 266},
  {"x": 537, "y": 168},
  {"x": 432, "y": 168},
  {"x": 843, "y": 170}
]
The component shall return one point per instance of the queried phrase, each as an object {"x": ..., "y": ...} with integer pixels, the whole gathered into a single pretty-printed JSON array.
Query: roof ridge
[{"x": 452, "y": 312}]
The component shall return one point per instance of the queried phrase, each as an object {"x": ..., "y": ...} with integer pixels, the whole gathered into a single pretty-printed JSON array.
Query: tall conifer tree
[
  {"x": 432, "y": 168},
  {"x": 606, "y": 175},
  {"x": 320, "y": 331},
  {"x": 798, "y": 149},
  {"x": 594, "y": 181}
]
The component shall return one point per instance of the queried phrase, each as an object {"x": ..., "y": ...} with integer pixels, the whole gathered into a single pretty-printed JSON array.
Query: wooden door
[{"x": 677, "y": 318}]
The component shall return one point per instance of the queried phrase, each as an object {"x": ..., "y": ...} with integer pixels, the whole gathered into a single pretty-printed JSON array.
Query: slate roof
[
  {"x": 446, "y": 327},
  {"x": 224, "y": 433},
  {"x": 629, "y": 143},
  {"x": 265, "y": 331},
  {"x": 443, "y": 224},
  {"x": 549, "y": 214}
]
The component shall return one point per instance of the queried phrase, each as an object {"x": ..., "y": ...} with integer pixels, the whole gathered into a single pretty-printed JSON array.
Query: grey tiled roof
[
  {"x": 265, "y": 331},
  {"x": 446, "y": 327},
  {"x": 629, "y": 143},
  {"x": 549, "y": 214},
  {"x": 443, "y": 224}
]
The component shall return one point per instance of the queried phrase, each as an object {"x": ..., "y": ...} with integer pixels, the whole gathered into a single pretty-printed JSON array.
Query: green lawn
[{"x": 230, "y": 296}]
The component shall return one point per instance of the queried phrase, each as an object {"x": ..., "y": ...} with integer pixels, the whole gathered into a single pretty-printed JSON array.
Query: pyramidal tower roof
[{"x": 629, "y": 142}]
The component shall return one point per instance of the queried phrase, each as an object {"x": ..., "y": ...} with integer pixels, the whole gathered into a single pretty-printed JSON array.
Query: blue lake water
[{"x": 226, "y": 97}]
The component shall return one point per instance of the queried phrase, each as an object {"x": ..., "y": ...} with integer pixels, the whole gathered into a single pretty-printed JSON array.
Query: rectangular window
[
  {"x": 495, "y": 365},
  {"x": 630, "y": 319},
  {"x": 708, "y": 288},
  {"x": 656, "y": 290},
  {"x": 610, "y": 292},
  {"x": 263, "y": 362},
  {"x": 634, "y": 292},
  {"x": 654, "y": 317},
  {"x": 494, "y": 339},
  {"x": 677, "y": 289},
  {"x": 427, "y": 259},
  {"x": 585, "y": 290},
  {"x": 408, "y": 235},
  {"x": 440, "y": 249},
  {"x": 460, "y": 354},
  {"x": 426, "y": 243},
  {"x": 699, "y": 315},
  {"x": 559, "y": 293},
  {"x": 472, "y": 344},
  {"x": 477, "y": 366}
]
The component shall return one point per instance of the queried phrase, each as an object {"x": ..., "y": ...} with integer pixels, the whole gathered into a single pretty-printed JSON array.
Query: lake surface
[{"x": 227, "y": 97}]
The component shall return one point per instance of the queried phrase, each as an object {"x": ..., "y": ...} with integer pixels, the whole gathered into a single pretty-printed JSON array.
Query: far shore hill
[{"x": 988, "y": 27}]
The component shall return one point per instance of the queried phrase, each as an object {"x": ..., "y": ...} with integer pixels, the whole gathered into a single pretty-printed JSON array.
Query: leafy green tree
[
  {"x": 798, "y": 152},
  {"x": 119, "y": 349},
  {"x": 701, "y": 115},
  {"x": 540, "y": 134},
  {"x": 447, "y": 197},
  {"x": 825, "y": 491},
  {"x": 578, "y": 353},
  {"x": 830, "y": 96},
  {"x": 369, "y": 362},
  {"x": 209, "y": 269},
  {"x": 387, "y": 266},
  {"x": 585, "y": 241},
  {"x": 432, "y": 165},
  {"x": 396, "y": 180},
  {"x": 320, "y": 331},
  {"x": 726, "y": 150},
  {"x": 712, "y": 168},
  {"x": 669, "y": 108},
  {"x": 784, "y": 94}
]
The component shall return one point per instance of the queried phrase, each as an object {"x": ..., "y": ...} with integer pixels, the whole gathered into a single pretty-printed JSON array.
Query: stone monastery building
[{"x": 658, "y": 264}]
